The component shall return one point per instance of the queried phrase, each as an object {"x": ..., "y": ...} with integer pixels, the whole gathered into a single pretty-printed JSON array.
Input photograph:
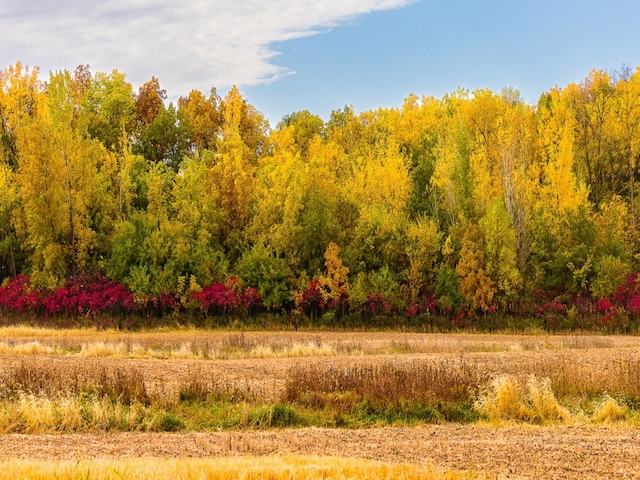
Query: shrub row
[{"x": 96, "y": 295}]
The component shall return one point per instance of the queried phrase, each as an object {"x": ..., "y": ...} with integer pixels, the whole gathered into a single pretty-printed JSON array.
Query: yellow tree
[
  {"x": 452, "y": 177},
  {"x": 56, "y": 178},
  {"x": 20, "y": 92},
  {"x": 484, "y": 115},
  {"x": 422, "y": 246},
  {"x": 195, "y": 212},
  {"x": 500, "y": 245},
  {"x": 298, "y": 199},
  {"x": 334, "y": 284},
  {"x": 613, "y": 246},
  {"x": 380, "y": 186},
  {"x": 627, "y": 117},
  {"x": 476, "y": 286},
  {"x": 561, "y": 190},
  {"x": 233, "y": 173},
  {"x": 591, "y": 104},
  {"x": 202, "y": 119},
  {"x": 279, "y": 198},
  {"x": 520, "y": 172},
  {"x": 564, "y": 230},
  {"x": 306, "y": 127}
]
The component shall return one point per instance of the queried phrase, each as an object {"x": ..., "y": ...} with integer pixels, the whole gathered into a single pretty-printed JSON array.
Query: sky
[{"x": 292, "y": 55}]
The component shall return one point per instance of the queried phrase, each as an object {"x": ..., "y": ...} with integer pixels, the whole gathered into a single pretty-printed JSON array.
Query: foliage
[
  {"x": 334, "y": 285},
  {"x": 227, "y": 298},
  {"x": 470, "y": 206},
  {"x": 268, "y": 274}
]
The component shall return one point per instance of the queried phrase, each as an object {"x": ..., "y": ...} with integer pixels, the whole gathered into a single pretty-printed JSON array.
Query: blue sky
[
  {"x": 291, "y": 55},
  {"x": 433, "y": 47}
]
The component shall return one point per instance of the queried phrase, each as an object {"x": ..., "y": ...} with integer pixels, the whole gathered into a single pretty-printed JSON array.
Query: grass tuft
[
  {"x": 506, "y": 398},
  {"x": 608, "y": 410}
]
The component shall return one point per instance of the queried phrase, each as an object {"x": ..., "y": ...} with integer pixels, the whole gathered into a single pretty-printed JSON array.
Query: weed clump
[
  {"x": 608, "y": 410},
  {"x": 387, "y": 393},
  {"x": 506, "y": 398}
]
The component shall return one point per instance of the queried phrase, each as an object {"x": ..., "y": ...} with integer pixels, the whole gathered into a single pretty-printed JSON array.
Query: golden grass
[
  {"x": 505, "y": 398},
  {"x": 609, "y": 410},
  {"x": 185, "y": 343},
  {"x": 14, "y": 331},
  {"x": 232, "y": 468},
  {"x": 155, "y": 346},
  {"x": 30, "y": 414},
  {"x": 531, "y": 378},
  {"x": 27, "y": 348}
]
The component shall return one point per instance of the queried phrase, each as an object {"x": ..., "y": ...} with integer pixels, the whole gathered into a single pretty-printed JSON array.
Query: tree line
[{"x": 476, "y": 202}]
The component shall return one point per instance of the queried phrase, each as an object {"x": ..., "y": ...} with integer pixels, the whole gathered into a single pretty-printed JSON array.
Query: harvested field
[
  {"x": 510, "y": 452},
  {"x": 259, "y": 364}
]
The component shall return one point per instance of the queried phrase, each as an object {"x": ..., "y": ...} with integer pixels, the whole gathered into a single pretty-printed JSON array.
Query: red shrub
[
  {"x": 18, "y": 296},
  {"x": 312, "y": 302},
  {"x": 86, "y": 295},
  {"x": 228, "y": 297}
]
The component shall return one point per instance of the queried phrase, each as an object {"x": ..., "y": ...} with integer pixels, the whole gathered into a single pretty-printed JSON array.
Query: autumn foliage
[{"x": 475, "y": 207}]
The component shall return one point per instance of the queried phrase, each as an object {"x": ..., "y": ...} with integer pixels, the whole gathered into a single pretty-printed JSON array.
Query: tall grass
[
  {"x": 405, "y": 393},
  {"x": 507, "y": 399},
  {"x": 46, "y": 380},
  {"x": 192, "y": 344},
  {"x": 76, "y": 394},
  {"x": 227, "y": 348},
  {"x": 30, "y": 413},
  {"x": 317, "y": 385}
]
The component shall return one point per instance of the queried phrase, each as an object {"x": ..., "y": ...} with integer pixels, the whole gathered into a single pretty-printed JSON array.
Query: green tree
[
  {"x": 110, "y": 108},
  {"x": 9, "y": 252},
  {"x": 500, "y": 242},
  {"x": 263, "y": 270}
]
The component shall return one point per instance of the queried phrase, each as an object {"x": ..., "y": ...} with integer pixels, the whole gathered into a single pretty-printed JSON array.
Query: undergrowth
[{"x": 58, "y": 396}]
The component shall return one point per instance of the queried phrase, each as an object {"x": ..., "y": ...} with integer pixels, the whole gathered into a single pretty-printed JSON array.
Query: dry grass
[
  {"x": 321, "y": 386},
  {"x": 609, "y": 410},
  {"x": 193, "y": 344},
  {"x": 248, "y": 468},
  {"x": 44, "y": 379},
  {"x": 505, "y": 398},
  {"x": 531, "y": 378},
  {"x": 186, "y": 349},
  {"x": 29, "y": 414}
]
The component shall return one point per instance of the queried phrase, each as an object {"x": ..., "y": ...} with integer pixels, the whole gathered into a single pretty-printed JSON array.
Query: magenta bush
[
  {"x": 17, "y": 296},
  {"x": 227, "y": 298},
  {"x": 89, "y": 295},
  {"x": 312, "y": 302}
]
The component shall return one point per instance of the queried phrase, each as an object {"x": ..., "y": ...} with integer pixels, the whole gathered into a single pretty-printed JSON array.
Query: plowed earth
[
  {"x": 520, "y": 452},
  {"x": 567, "y": 452}
]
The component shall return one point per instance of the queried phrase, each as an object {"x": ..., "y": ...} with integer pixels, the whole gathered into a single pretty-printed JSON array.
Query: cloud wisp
[{"x": 193, "y": 44}]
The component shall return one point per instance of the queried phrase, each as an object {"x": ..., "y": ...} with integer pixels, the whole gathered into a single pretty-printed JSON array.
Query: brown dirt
[
  {"x": 514, "y": 452},
  {"x": 567, "y": 452}
]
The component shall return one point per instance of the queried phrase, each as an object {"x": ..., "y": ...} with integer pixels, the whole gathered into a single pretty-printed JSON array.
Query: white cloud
[{"x": 191, "y": 44}]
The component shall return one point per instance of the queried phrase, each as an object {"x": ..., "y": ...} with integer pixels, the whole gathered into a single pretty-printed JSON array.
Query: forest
[{"x": 470, "y": 208}]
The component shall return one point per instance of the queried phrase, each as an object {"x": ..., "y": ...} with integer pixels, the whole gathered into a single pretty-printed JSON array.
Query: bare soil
[
  {"x": 567, "y": 452},
  {"x": 515, "y": 452}
]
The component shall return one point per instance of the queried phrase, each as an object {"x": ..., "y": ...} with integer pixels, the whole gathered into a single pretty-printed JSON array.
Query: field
[{"x": 75, "y": 403}]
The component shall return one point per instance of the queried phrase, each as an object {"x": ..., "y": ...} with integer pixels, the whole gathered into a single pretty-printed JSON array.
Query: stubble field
[{"x": 590, "y": 432}]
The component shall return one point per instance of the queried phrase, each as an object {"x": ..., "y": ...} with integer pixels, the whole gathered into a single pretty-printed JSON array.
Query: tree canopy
[{"x": 476, "y": 200}]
